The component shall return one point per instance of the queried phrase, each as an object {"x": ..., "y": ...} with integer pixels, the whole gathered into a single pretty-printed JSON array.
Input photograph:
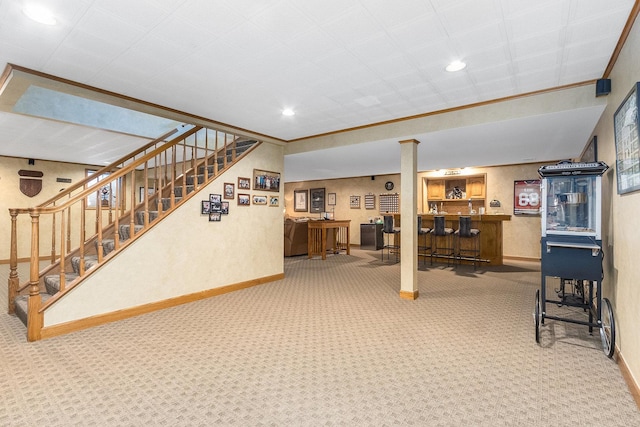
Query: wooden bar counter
[
  {"x": 490, "y": 227},
  {"x": 317, "y": 237}
]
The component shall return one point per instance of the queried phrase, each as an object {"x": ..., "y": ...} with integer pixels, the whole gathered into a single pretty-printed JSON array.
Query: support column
[{"x": 408, "y": 219}]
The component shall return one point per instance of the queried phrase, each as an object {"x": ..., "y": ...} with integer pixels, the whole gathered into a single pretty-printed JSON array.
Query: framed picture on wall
[
  {"x": 526, "y": 197},
  {"x": 317, "y": 200},
  {"x": 625, "y": 124},
  {"x": 354, "y": 202},
  {"x": 331, "y": 199},
  {"x": 266, "y": 180},
  {"x": 300, "y": 200}
]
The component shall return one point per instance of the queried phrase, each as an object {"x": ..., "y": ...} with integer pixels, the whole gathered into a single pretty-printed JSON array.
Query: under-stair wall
[{"x": 185, "y": 256}]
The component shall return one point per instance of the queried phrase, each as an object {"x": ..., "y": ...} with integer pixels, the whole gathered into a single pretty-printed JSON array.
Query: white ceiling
[{"x": 339, "y": 63}]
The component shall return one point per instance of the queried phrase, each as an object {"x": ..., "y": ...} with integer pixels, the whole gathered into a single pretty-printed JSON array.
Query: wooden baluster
[
  {"x": 145, "y": 180},
  {"x": 83, "y": 234},
  {"x": 68, "y": 229},
  {"x": 215, "y": 157},
  {"x": 132, "y": 200},
  {"x": 63, "y": 250},
  {"x": 34, "y": 317},
  {"x": 99, "y": 231},
  {"x": 184, "y": 168},
  {"x": 53, "y": 238},
  {"x": 14, "y": 280},
  {"x": 233, "y": 150},
  {"x": 116, "y": 222},
  {"x": 110, "y": 219},
  {"x": 157, "y": 161},
  {"x": 173, "y": 176}
]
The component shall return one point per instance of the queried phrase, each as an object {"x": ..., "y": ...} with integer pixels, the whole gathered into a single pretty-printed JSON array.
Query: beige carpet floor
[{"x": 330, "y": 345}]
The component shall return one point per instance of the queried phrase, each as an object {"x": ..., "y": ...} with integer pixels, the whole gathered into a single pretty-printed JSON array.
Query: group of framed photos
[
  {"x": 215, "y": 207},
  {"x": 263, "y": 180},
  {"x": 312, "y": 200}
]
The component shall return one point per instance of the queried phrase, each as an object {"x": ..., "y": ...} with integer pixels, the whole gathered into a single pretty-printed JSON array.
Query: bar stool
[
  {"x": 387, "y": 230},
  {"x": 438, "y": 233},
  {"x": 424, "y": 248},
  {"x": 472, "y": 235}
]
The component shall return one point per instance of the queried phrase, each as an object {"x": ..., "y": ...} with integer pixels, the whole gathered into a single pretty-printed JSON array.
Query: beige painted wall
[
  {"x": 521, "y": 234},
  {"x": 12, "y": 197},
  {"x": 621, "y": 232},
  {"x": 185, "y": 253}
]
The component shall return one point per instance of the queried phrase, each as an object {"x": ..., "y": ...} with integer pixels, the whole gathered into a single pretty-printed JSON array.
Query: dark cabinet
[{"x": 371, "y": 236}]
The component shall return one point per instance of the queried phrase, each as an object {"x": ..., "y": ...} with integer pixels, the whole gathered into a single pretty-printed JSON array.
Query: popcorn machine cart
[{"x": 572, "y": 249}]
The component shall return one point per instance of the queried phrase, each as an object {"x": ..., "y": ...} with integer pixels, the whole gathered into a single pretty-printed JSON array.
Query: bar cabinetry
[
  {"x": 371, "y": 236},
  {"x": 452, "y": 194}
]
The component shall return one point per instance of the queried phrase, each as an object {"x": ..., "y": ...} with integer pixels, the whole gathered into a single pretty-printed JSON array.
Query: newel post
[
  {"x": 34, "y": 317},
  {"x": 13, "y": 281}
]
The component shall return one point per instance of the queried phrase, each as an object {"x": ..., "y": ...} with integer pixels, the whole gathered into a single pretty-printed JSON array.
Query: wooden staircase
[{"x": 169, "y": 172}]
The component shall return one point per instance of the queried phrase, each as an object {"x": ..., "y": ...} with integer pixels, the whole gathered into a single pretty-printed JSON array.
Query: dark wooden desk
[{"x": 317, "y": 236}]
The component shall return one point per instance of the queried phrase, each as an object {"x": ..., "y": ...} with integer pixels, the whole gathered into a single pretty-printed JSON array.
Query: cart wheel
[
  {"x": 537, "y": 313},
  {"x": 608, "y": 329}
]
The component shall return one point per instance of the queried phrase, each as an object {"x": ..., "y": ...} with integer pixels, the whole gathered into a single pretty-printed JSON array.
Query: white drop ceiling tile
[
  {"x": 183, "y": 32},
  {"x": 282, "y": 21},
  {"x": 491, "y": 73},
  {"x": 109, "y": 27},
  {"x": 313, "y": 43},
  {"x": 542, "y": 19},
  {"x": 324, "y": 11},
  {"x": 599, "y": 50},
  {"x": 585, "y": 69},
  {"x": 419, "y": 32},
  {"x": 249, "y": 38},
  {"x": 400, "y": 13},
  {"x": 537, "y": 80},
  {"x": 583, "y": 31},
  {"x": 143, "y": 13},
  {"x": 214, "y": 17},
  {"x": 407, "y": 78},
  {"x": 480, "y": 39},
  {"x": 352, "y": 26},
  {"x": 390, "y": 65},
  {"x": 546, "y": 61},
  {"x": 465, "y": 16},
  {"x": 532, "y": 46},
  {"x": 486, "y": 58},
  {"x": 372, "y": 49},
  {"x": 595, "y": 8}
]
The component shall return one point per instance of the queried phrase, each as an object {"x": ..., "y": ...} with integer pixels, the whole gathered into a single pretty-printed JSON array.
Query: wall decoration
[
  {"x": 259, "y": 200},
  {"x": 369, "y": 201},
  {"x": 354, "y": 202},
  {"x": 274, "y": 201},
  {"x": 215, "y": 216},
  {"x": 215, "y": 200},
  {"x": 316, "y": 195},
  {"x": 244, "y": 199},
  {"x": 32, "y": 185},
  {"x": 244, "y": 183},
  {"x": 389, "y": 203},
  {"x": 300, "y": 200},
  {"x": 331, "y": 199},
  {"x": 266, "y": 180},
  {"x": 526, "y": 197},
  {"x": 229, "y": 190},
  {"x": 625, "y": 124},
  {"x": 206, "y": 207},
  {"x": 224, "y": 208}
]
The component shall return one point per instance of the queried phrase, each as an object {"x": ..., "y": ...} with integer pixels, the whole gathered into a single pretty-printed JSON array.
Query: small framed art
[
  {"x": 244, "y": 199},
  {"x": 206, "y": 207},
  {"x": 224, "y": 208},
  {"x": 317, "y": 200},
  {"x": 331, "y": 199},
  {"x": 354, "y": 202},
  {"x": 259, "y": 200},
  {"x": 215, "y": 200},
  {"x": 215, "y": 216},
  {"x": 300, "y": 200},
  {"x": 244, "y": 183},
  {"x": 229, "y": 190},
  {"x": 274, "y": 201}
]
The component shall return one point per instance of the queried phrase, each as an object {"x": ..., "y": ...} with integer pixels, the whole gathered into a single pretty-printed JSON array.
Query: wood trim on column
[
  {"x": 409, "y": 295},
  {"x": 406, "y": 141}
]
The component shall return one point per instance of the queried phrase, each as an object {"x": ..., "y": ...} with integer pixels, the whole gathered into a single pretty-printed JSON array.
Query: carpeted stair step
[
  {"x": 52, "y": 282},
  {"x": 22, "y": 304},
  {"x": 153, "y": 215},
  {"x": 166, "y": 202},
  {"x": 178, "y": 190},
  {"x": 89, "y": 261},
  {"x": 108, "y": 245},
  {"x": 124, "y": 230},
  {"x": 190, "y": 179}
]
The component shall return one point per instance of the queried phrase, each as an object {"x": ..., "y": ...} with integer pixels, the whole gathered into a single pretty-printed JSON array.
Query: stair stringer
[{"x": 185, "y": 254}]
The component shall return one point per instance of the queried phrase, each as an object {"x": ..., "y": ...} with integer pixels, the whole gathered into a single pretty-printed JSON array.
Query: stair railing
[{"x": 81, "y": 220}]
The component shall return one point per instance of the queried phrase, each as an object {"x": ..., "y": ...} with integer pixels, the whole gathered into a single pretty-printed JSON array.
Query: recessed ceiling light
[
  {"x": 288, "y": 112},
  {"x": 456, "y": 66},
  {"x": 39, "y": 14}
]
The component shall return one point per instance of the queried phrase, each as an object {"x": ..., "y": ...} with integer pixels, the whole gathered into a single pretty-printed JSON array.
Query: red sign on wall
[{"x": 526, "y": 197}]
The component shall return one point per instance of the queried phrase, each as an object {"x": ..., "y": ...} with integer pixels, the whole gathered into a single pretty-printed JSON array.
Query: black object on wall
[{"x": 603, "y": 87}]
